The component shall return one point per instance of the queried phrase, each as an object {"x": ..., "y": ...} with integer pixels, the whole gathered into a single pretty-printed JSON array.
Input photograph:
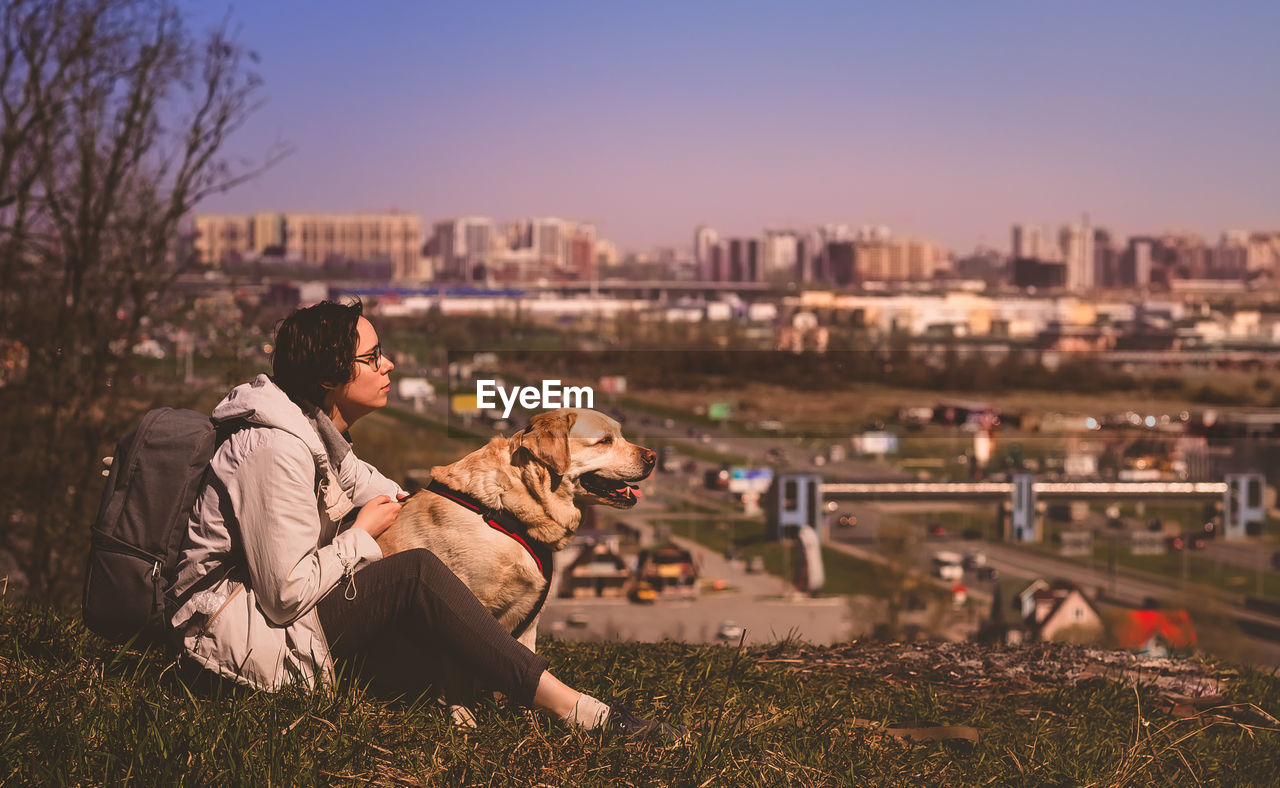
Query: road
[{"x": 756, "y": 602}]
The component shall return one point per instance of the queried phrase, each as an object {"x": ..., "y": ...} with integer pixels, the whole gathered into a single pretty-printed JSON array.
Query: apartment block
[
  {"x": 880, "y": 259},
  {"x": 312, "y": 238},
  {"x": 318, "y": 237}
]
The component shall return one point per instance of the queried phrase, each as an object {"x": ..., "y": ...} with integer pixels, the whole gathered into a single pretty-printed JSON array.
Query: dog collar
[{"x": 513, "y": 528}]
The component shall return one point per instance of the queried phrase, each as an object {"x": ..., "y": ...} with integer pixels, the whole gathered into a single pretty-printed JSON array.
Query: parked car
[
  {"x": 716, "y": 479},
  {"x": 937, "y": 531},
  {"x": 668, "y": 459},
  {"x": 643, "y": 593},
  {"x": 1195, "y": 541}
]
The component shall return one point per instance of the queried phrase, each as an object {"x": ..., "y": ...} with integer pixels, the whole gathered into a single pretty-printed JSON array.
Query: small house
[
  {"x": 598, "y": 571},
  {"x": 1060, "y": 612}
]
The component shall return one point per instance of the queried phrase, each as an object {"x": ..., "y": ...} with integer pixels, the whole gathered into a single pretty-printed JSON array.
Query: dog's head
[{"x": 585, "y": 449}]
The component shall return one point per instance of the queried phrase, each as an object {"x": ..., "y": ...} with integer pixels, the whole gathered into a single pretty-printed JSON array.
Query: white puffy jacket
[{"x": 277, "y": 492}]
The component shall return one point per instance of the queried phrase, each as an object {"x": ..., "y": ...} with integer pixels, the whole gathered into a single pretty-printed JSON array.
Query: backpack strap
[{"x": 224, "y": 431}]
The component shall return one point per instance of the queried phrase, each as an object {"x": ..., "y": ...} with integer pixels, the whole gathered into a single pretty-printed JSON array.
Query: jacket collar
[{"x": 262, "y": 403}]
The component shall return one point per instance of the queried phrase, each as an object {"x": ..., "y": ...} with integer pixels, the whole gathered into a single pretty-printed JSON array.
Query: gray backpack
[{"x": 157, "y": 471}]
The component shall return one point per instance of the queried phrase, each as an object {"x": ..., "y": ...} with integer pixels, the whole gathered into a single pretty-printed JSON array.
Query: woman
[{"x": 273, "y": 593}]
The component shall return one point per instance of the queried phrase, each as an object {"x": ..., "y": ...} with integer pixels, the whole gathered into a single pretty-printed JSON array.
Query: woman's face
[{"x": 368, "y": 389}]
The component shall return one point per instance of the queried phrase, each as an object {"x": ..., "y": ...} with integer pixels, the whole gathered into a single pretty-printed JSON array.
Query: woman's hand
[{"x": 377, "y": 515}]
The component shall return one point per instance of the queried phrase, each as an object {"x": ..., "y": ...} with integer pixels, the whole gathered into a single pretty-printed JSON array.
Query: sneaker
[{"x": 627, "y": 723}]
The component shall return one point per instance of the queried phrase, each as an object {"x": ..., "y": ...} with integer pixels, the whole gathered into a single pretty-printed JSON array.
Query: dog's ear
[{"x": 546, "y": 439}]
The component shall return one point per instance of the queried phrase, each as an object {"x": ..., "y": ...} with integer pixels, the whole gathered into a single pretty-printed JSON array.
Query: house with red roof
[{"x": 1156, "y": 633}]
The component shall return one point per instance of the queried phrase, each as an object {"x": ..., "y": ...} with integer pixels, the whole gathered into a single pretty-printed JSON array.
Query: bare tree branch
[{"x": 99, "y": 166}]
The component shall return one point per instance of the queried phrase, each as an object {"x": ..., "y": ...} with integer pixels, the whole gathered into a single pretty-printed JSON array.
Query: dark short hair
[{"x": 316, "y": 347}]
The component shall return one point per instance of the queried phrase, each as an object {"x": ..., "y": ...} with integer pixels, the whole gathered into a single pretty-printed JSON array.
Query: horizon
[{"x": 949, "y": 124}]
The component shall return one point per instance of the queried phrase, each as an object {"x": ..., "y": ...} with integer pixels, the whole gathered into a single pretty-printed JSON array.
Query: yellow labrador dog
[{"x": 495, "y": 516}]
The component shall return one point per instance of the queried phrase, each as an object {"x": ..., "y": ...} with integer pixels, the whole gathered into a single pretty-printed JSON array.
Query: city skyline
[{"x": 939, "y": 122}]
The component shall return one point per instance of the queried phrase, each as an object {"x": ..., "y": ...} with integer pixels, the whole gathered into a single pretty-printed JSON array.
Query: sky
[{"x": 942, "y": 120}]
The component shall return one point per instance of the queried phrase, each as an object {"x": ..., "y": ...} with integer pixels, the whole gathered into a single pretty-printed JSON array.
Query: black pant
[{"x": 414, "y": 626}]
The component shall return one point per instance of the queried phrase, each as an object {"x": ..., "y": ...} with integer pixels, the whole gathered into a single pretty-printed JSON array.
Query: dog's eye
[{"x": 605, "y": 440}]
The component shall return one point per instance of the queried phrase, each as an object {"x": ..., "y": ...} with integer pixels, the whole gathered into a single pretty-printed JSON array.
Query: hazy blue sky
[{"x": 948, "y": 120}]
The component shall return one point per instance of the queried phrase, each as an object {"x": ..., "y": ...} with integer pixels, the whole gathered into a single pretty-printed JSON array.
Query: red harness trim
[
  {"x": 498, "y": 527},
  {"x": 491, "y": 517},
  {"x": 468, "y": 502}
]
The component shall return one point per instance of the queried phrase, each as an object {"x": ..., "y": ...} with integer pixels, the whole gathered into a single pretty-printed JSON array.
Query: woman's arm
[
  {"x": 273, "y": 495},
  {"x": 365, "y": 481}
]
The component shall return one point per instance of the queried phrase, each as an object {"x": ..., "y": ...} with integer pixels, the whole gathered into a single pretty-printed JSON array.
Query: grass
[
  {"x": 1201, "y": 572},
  {"x": 78, "y": 710}
]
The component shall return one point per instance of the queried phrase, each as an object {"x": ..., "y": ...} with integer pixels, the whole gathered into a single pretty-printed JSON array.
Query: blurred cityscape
[
  {"x": 398, "y": 248},
  {"x": 1073, "y": 439}
]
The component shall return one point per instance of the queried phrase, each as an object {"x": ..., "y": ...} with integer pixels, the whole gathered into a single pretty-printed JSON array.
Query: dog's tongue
[{"x": 633, "y": 491}]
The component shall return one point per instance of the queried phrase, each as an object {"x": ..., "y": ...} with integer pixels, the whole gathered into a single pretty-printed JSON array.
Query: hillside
[{"x": 77, "y": 710}]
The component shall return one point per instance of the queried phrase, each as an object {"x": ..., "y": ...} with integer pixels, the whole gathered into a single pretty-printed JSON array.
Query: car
[
  {"x": 729, "y": 630},
  {"x": 668, "y": 459},
  {"x": 1177, "y": 542},
  {"x": 577, "y": 619},
  {"x": 1195, "y": 541},
  {"x": 716, "y": 479},
  {"x": 846, "y": 520},
  {"x": 975, "y": 560},
  {"x": 937, "y": 531},
  {"x": 755, "y": 565},
  {"x": 988, "y": 573},
  {"x": 643, "y": 593}
]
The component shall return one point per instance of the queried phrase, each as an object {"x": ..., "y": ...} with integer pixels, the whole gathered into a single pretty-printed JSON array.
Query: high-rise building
[
  {"x": 744, "y": 263},
  {"x": 781, "y": 255},
  {"x": 705, "y": 239},
  {"x": 317, "y": 238},
  {"x": 1136, "y": 263},
  {"x": 841, "y": 263},
  {"x": 1076, "y": 243},
  {"x": 1263, "y": 251},
  {"x": 881, "y": 259},
  {"x": 313, "y": 238},
  {"x": 1106, "y": 259},
  {"x": 266, "y": 231},
  {"x": 581, "y": 251},
  {"x": 1028, "y": 243},
  {"x": 465, "y": 248},
  {"x": 221, "y": 237}
]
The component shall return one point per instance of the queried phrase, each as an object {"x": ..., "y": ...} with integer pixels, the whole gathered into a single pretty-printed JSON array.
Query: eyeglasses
[{"x": 373, "y": 358}]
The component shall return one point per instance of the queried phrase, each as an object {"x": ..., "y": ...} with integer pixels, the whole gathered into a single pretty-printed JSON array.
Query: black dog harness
[{"x": 508, "y": 524}]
